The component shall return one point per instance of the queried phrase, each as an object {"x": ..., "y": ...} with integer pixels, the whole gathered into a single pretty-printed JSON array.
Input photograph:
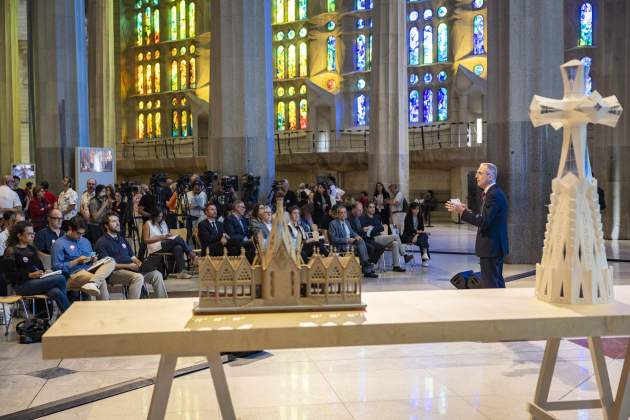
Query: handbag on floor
[{"x": 31, "y": 330}]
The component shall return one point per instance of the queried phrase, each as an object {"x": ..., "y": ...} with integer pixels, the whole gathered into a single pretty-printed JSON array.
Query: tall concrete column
[
  {"x": 61, "y": 87},
  {"x": 525, "y": 50},
  {"x": 388, "y": 152},
  {"x": 101, "y": 73},
  {"x": 9, "y": 86},
  {"x": 241, "y": 101}
]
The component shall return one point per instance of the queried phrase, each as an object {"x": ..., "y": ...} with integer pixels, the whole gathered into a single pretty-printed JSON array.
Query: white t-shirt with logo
[
  {"x": 8, "y": 198},
  {"x": 65, "y": 200}
]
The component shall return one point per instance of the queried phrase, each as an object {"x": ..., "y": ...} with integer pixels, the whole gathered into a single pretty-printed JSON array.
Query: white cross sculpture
[{"x": 574, "y": 268}]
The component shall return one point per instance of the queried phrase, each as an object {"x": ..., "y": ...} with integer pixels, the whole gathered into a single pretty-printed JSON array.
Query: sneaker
[
  {"x": 399, "y": 270},
  {"x": 425, "y": 256},
  {"x": 425, "y": 263},
  {"x": 90, "y": 289},
  {"x": 408, "y": 257},
  {"x": 183, "y": 276}
]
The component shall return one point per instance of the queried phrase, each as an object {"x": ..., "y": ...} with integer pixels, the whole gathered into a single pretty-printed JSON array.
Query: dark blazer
[
  {"x": 492, "y": 237},
  {"x": 210, "y": 237},
  {"x": 375, "y": 222},
  {"x": 408, "y": 231},
  {"x": 234, "y": 229},
  {"x": 355, "y": 223}
]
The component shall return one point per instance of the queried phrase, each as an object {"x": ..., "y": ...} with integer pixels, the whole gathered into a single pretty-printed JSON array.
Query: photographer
[
  {"x": 197, "y": 200},
  {"x": 250, "y": 185}
]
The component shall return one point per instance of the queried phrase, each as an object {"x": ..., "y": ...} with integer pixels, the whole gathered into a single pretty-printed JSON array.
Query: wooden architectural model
[
  {"x": 279, "y": 280},
  {"x": 574, "y": 268}
]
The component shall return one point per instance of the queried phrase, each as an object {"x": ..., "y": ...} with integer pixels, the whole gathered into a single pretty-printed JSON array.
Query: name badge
[
  {"x": 53, "y": 241},
  {"x": 25, "y": 259},
  {"x": 72, "y": 247},
  {"x": 124, "y": 246}
]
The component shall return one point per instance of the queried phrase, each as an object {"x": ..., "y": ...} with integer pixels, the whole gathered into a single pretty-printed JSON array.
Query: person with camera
[
  {"x": 299, "y": 228},
  {"x": 212, "y": 233},
  {"x": 237, "y": 228},
  {"x": 197, "y": 200},
  {"x": 24, "y": 270}
]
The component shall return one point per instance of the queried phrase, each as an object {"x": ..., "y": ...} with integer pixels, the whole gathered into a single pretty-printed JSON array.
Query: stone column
[
  {"x": 241, "y": 101},
  {"x": 9, "y": 86},
  {"x": 525, "y": 48},
  {"x": 101, "y": 73},
  {"x": 388, "y": 152},
  {"x": 61, "y": 87}
]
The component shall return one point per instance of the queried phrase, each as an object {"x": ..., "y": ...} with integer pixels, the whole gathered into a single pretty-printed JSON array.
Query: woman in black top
[
  {"x": 321, "y": 204},
  {"x": 381, "y": 199},
  {"x": 24, "y": 269},
  {"x": 414, "y": 232}
]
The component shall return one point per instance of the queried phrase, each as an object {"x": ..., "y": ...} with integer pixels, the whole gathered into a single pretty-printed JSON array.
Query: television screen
[
  {"x": 96, "y": 160},
  {"x": 23, "y": 170}
]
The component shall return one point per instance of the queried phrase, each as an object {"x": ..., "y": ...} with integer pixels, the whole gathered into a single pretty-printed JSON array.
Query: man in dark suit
[
  {"x": 375, "y": 250},
  {"x": 212, "y": 233},
  {"x": 491, "y": 245},
  {"x": 237, "y": 228},
  {"x": 343, "y": 238}
]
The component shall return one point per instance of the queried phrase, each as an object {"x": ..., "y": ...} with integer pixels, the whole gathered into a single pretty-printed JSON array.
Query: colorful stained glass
[
  {"x": 290, "y": 10},
  {"x": 330, "y": 84},
  {"x": 361, "y": 110},
  {"x": 173, "y": 51},
  {"x": 182, "y": 19},
  {"x": 414, "y": 46},
  {"x": 280, "y": 117},
  {"x": 139, "y": 34},
  {"x": 183, "y": 74},
  {"x": 141, "y": 105},
  {"x": 414, "y": 106},
  {"x": 302, "y": 9},
  {"x": 368, "y": 66},
  {"x": 303, "y": 114},
  {"x": 442, "y": 105},
  {"x": 158, "y": 124},
  {"x": 427, "y": 14},
  {"x": 150, "y": 105},
  {"x": 147, "y": 26},
  {"x": 442, "y": 11},
  {"x": 157, "y": 86},
  {"x": 140, "y": 127},
  {"x": 182, "y": 51},
  {"x": 362, "y": 4},
  {"x": 360, "y": 84},
  {"x": 192, "y": 73},
  {"x": 291, "y": 62},
  {"x": 140, "y": 80},
  {"x": 303, "y": 58},
  {"x": 303, "y": 32},
  {"x": 413, "y": 79},
  {"x": 478, "y": 69},
  {"x": 291, "y": 34},
  {"x": 442, "y": 43},
  {"x": 148, "y": 55},
  {"x": 478, "y": 36},
  {"x": 360, "y": 53},
  {"x": 279, "y": 11},
  {"x": 184, "y": 124},
  {"x": 586, "y": 24},
  {"x": 157, "y": 54},
  {"x": 280, "y": 36},
  {"x": 190, "y": 124},
  {"x": 280, "y": 74},
  {"x": 183, "y": 101},
  {"x": 303, "y": 90},
  {"x": 428, "y": 78},
  {"x": 477, "y": 4},
  {"x": 192, "y": 22},
  {"x": 291, "y": 91},
  {"x": 588, "y": 80},
  {"x": 156, "y": 26},
  {"x": 157, "y": 104},
  {"x": 174, "y": 75},
  {"x": 172, "y": 25},
  {"x": 150, "y": 125},
  {"x": 360, "y": 23},
  {"x": 148, "y": 79},
  {"x": 442, "y": 76},
  {"x": 280, "y": 91},
  {"x": 331, "y": 54},
  {"x": 427, "y": 106},
  {"x": 413, "y": 15},
  {"x": 292, "y": 116},
  {"x": 427, "y": 45},
  {"x": 330, "y": 25},
  {"x": 175, "y": 124},
  {"x": 331, "y": 6}
]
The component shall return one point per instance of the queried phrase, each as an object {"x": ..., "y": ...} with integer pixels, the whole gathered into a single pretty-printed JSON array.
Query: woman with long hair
[
  {"x": 24, "y": 269},
  {"x": 381, "y": 199},
  {"x": 414, "y": 232},
  {"x": 38, "y": 208},
  {"x": 321, "y": 203}
]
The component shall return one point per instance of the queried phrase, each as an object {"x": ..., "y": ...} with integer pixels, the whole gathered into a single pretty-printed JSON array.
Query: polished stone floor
[{"x": 446, "y": 381}]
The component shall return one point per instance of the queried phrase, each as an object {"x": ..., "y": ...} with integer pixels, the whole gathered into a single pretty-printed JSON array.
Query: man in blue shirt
[
  {"x": 112, "y": 244},
  {"x": 45, "y": 238},
  {"x": 73, "y": 255}
]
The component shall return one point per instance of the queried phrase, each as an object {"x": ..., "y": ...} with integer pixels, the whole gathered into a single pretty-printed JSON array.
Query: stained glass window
[
  {"x": 158, "y": 124},
  {"x": 174, "y": 76},
  {"x": 292, "y": 116},
  {"x": 291, "y": 91},
  {"x": 291, "y": 62},
  {"x": 414, "y": 107},
  {"x": 156, "y": 26},
  {"x": 360, "y": 23},
  {"x": 182, "y": 19},
  {"x": 172, "y": 26},
  {"x": 302, "y": 9},
  {"x": 413, "y": 79},
  {"x": 331, "y": 54},
  {"x": 442, "y": 11},
  {"x": 478, "y": 69},
  {"x": 291, "y": 34},
  {"x": 331, "y": 5},
  {"x": 427, "y": 45},
  {"x": 148, "y": 79},
  {"x": 360, "y": 53},
  {"x": 303, "y": 54},
  {"x": 280, "y": 62},
  {"x": 150, "y": 125},
  {"x": 586, "y": 24},
  {"x": 139, "y": 36},
  {"x": 303, "y": 32},
  {"x": 190, "y": 123},
  {"x": 140, "y": 81},
  {"x": 442, "y": 105},
  {"x": 360, "y": 84},
  {"x": 330, "y": 25},
  {"x": 279, "y": 11},
  {"x": 442, "y": 43},
  {"x": 369, "y": 54},
  {"x": 280, "y": 118},
  {"x": 478, "y": 36},
  {"x": 362, "y": 109},
  {"x": 442, "y": 76},
  {"x": 290, "y": 10},
  {"x": 427, "y": 106},
  {"x": 427, "y": 14},
  {"x": 303, "y": 90},
  {"x": 303, "y": 114},
  {"x": 414, "y": 46},
  {"x": 192, "y": 74},
  {"x": 175, "y": 124},
  {"x": 184, "y": 124},
  {"x": 191, "y": 20},
  {"x": 157, "y": 78},
  {"x": 140, "y": 126},
  {"x": 477, "y": 4},
  {"x": 362, "y": 4},
  {"x": 183, "y": 74},
  {"x": 413, "y": 15},
  {"x": 147, "y": 26},
  {"x": 588, "y": 80}
]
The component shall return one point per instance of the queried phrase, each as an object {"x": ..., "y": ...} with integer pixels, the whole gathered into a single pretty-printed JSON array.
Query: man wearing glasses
[
  {"x": 237, "y": 228},
  {"x": 46, "y": 237},
  {"x": 73, "y": 255},
  {"x": 491, "y": 245}
]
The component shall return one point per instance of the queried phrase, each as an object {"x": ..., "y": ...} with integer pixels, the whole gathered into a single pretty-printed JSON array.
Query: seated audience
[
  {"x": 38, "y": 208},
  {"x": 414, "y": 232},
  {"x": 46, "y": 237},
  {"x": 157, "y": 236},
  {"x": 237, "y": 228},
  {"x": 373, "y": 227},
  {"x": 23, "y": 268},
  {"x": 343, "y": 238},
  {"x": 299, "y": 228},
  {"x": 375, "y": 250},
  {"x": 10, "y": 218},
  {"x": 73, "y": 255},
  {"x": 212, "y": 233},
  {"x": 260, "y": 223},
  {"x": 128, "y": 267}
]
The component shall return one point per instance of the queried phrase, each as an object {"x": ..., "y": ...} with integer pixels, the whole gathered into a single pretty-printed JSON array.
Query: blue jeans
[{"x": 54, "y": 287}]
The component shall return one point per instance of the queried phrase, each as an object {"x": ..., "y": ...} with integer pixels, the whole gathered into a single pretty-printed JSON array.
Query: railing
[{"x": 169, "y": 148}]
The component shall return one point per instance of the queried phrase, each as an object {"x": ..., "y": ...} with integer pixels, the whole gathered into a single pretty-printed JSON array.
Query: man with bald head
[
  {"x": 9, "y": 199},
  {"x": 46, "y": 237}
]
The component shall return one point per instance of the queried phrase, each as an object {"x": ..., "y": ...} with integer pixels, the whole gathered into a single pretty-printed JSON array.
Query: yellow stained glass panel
[
  {"x": 149, "y": 125},
  {"x": 191, "y": 20},
  {"x": 291, "y": 62},
  {"x": 185, "y": 123},
  {"x": 292, "y": 116},
  {"x": 140, "y": 81},
  {"x": 158, "y": 124},
  {"x": 192, "y": 77},
  {"x": 182, "y": 19},
  {"x": 174, "y": 77},
  {"x": 183, "y": 74},
  {"x": 157, "y": 78},
  {"x": 303, "y": 58},
  {"x": 140, "y": 126},
  {"x": 148, "y": 79},
  {"x": 172, "y": 26}
]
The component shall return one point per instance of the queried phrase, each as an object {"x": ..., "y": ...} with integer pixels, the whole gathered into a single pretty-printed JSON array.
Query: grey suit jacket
[
  {"x": 337, "y": 236},
  {"x": 256, "y": 226}
]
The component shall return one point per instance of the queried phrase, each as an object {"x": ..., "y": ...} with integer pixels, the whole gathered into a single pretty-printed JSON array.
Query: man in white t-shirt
[
  {"x": 9, "y": 200},
  {"x": 68, "y": 200}
]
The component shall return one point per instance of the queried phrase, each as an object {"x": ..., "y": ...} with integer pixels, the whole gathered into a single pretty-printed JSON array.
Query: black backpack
[{"x": 31, "y": 330}]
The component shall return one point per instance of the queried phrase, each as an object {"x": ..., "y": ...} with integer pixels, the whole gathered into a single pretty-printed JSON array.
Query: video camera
[
  {"x": 157, "y": 180},
  {"x": 128, "y": 188},
  {"x": 229, "y": 182},
  {"x": 183, "y": 183}
]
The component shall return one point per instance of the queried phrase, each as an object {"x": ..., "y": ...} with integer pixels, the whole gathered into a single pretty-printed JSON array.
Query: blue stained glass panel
[
  {"x": 588, "y": 80},
  {"x": 331, "y": 54},
  {"x": 427, "y": 14},
  {"x": 428, "y": 78},
  {"x": 478, "y": 36},
  {"x": 362, "y": 110},
  {"x": 442, "y": 11},
  {"x": 442, "y": 106},
  {"x": 360, "y": 84},
  {"x": 586, "y": 24},
  {"x": 414, "y": 46},
  {"x": 360, "y": 23},
  {"x": 477, "y": 4},
  {"x": 413, "y": 79},
  {"x": 413, "y": 15},
  {"x": 427, "y": 45},
  {"x": 442, "y": 76},
  {"x": 414, "y": 107},
  {"x": 427, "y": 106},
  {"x": 478, "y": 69},
  {"x": 442, "y": 43},
  {"x": 302, "y": 7},
  {"x": 360, "y": 53},
  {"x": 362, "y": 4}
]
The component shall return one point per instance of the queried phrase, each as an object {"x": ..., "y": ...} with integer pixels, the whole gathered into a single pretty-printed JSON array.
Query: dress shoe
[
  {"x": 371, "y": 275},
  {"x": 408, "y": 257},
  {"x": 399, "y": 270}
]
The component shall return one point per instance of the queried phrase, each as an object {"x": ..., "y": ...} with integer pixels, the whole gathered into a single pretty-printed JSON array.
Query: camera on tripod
[
  {"x": 208, "y": 178},
  {"x": 250, "y": 182},
  {"x": 183, "y": 183},
  {"x": 157, "y": 180},
  {"x": 229, "y": 183},
  {"x": 127, "y": 189}
]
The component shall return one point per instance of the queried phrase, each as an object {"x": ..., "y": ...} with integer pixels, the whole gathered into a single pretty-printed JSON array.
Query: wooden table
[{"x": 167, "y": 327}]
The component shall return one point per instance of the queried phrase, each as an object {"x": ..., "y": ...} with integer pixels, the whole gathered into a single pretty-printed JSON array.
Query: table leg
[
  {"x": 162, "y": 387},
  {"x": 221, "y": 386},
  {"x": 544, "y": 378},
  {"x": 601, "y": 375},
  {"x": 621, "y": 408}
]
